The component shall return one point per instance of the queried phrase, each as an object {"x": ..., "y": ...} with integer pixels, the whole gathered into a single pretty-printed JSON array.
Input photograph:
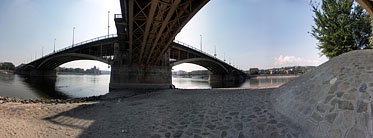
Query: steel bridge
[{"x": 144, "y": 49}]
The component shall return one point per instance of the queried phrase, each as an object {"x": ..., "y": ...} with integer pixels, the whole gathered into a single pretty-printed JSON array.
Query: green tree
[{"x": 340, "y": 26}]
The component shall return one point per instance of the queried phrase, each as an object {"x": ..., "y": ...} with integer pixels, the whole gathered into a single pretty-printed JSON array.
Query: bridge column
[
  {"x": 43, "y": 73},
  {"x": 225, "y": 80},
  {"x": 138, "y": 76}
]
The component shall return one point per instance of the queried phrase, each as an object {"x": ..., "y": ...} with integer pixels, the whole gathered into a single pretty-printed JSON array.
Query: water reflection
[
  {"x": 266, "y": 81},
  {"x": 45, "y": 87},
  {"x": 61, "y": 87},
  {"x": 73, "y": 86},
  {"x": 191, "y": 83}
]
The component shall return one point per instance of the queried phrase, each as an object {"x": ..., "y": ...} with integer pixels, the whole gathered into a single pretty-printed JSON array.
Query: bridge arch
[
  {"x": 54, "y": 61},
  {"x": 212, "y": 65}
]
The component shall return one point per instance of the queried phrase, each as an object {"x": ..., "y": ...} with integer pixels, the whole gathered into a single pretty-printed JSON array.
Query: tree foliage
[{"x": 340, "y": 26}]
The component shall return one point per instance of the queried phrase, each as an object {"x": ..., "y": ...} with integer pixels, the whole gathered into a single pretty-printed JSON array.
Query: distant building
[
  {"x": 93, "y": 71},
  {"x": 254, "y": 71},
  {"x": 181, "y": 73}
]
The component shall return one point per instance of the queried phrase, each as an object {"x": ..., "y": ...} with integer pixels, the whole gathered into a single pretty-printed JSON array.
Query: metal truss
[{"x": 153, "y": 25}]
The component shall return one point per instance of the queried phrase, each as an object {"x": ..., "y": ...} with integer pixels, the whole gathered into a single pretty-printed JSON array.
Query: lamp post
[
  {"x": 54, "y": 46},
  {"x": 42, "y": 51},
  {"x": 73, "y": 36},
  {"x": 201, "y": 42},
  {"x": 215, "y": 50},
  {"x": 224, "y": 56},
  {"x": 108, "y": 25}
]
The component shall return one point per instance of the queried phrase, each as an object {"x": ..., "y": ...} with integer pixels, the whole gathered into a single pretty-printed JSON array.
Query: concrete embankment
[{"x": 334, "y": 100}]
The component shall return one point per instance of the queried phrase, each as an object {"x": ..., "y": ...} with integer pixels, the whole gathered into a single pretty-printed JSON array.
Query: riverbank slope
[{"x": 169, "y": 113}]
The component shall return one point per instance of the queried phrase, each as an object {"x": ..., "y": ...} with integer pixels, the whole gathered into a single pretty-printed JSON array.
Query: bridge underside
[{"x": 146, "y": 30}]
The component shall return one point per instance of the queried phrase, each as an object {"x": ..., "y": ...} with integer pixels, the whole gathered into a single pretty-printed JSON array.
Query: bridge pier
[
  {"x": 140, "y": 77},
  {"x": 127, "y": 75},
  {"x": 225, "y": 80},
  {"x": 43, "y": 73},
  {"x": 39, "y": 73}
]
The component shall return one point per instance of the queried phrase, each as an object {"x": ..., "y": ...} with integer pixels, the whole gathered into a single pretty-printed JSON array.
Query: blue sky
[{"x": 252, "y": 33}]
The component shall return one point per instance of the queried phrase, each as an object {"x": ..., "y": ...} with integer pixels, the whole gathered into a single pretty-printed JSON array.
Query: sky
[{"x": 250, "y": 33}]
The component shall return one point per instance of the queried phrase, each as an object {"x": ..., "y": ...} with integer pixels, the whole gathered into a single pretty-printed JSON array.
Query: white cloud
[{"x": 295, "y": 61}]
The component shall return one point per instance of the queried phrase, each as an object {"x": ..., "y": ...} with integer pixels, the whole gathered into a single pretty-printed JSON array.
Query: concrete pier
[{"x": 140, "y": 77}]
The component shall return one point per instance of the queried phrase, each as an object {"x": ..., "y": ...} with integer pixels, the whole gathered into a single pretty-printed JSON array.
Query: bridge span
[
  {"x": 102, "y": 49},
  {"x": 143, "y": 51}
]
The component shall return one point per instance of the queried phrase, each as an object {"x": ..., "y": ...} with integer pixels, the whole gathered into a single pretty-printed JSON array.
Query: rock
[
  {"x": 321, "y": 108},
  {"x": 257, "y": 109},
  {"x": 345, "y": 105},
  {"x": 316, "y": 117},
  {"x": 339, "y": 94},
  {"x": 328, "y": 98},
  {"x": 261, "y": 127},
  {"x": 223, "y": 127},
  {"x": 362, "y": 107},
  {"x": 240, "y": 135},
  {"x": 272, "y": 122},
  {"x": 211, "y": 127},
  {"x": 238, "y": 126},
  {"x": 156, "y": 136},
  {"x": 178, "y": 133},
  {"x": 350, "y": 96},
  {"x": 355, "y": 133},
  {"x": 233, "y": 113},
  {"x": 168, "y": 134},
  {"x": 330, "y": 117},
  {"x": 274, "y": 135},
  {"x": 197, "y": 136},
  {"x": 363, "y": 88},
  {"x": 223, "y": 134},
  {"x": 335, "y": 133},
  {"x": 252, "y": 116}
]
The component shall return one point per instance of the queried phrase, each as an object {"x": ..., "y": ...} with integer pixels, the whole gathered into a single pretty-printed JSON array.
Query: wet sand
[{"x": 169, "y": 113}]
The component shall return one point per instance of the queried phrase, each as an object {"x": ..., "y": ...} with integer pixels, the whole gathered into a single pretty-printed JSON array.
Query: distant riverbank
[
  {"x": 6, "y": 71},
  {"x": 76, "y": 73},
  {"x": 275, "y": 76}
]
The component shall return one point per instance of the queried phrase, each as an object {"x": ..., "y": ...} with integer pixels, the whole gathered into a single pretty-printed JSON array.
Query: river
[{"x": 74, "y": 86}]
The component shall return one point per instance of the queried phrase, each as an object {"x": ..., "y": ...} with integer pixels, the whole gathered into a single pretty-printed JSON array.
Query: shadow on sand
[{"x": 101, "y": 118}]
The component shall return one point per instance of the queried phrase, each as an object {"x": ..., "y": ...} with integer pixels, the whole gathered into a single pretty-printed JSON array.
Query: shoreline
[
  {"x": 109, "y": 96},
  {"x": 276, "y": 76}
]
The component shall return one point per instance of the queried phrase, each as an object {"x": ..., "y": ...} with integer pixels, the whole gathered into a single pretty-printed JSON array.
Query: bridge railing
[
  {"x": 118, "y": 16},
  {"x": 82, "y": 43},
  {"x": 189, "y": 46}
]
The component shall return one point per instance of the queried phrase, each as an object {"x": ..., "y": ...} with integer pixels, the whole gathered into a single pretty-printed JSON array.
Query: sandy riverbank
[{"x": 169, "y": 113}]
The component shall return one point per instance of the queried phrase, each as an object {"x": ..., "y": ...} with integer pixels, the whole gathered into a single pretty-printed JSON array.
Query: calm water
[
  {"x": 73, "y": 86},
  {"x": 190, "y": 83},
  {"x": 64, "y": 86}
]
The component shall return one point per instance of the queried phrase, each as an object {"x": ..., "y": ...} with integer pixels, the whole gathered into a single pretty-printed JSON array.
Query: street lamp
[
  {"x": 73, "y": 35},
  {"x": 224, "y": 56},
  {"x": 215, "y": 50},
  {"x": 201, "y": 42},
  {"x": 108, "y": 25},
  {"x": 54, "y": 46}
]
